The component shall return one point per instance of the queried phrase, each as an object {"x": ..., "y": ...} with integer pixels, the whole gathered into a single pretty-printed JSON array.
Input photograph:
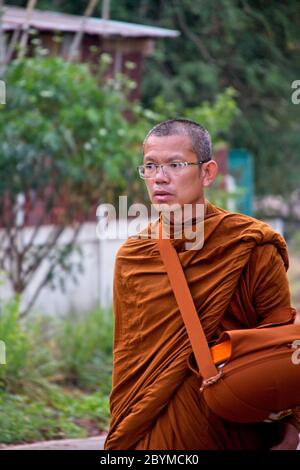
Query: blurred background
[{"x": 82, "y": 82}]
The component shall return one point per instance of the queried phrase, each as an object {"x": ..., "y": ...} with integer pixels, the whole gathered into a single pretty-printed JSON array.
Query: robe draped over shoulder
[{"x": 237, "y": 280}]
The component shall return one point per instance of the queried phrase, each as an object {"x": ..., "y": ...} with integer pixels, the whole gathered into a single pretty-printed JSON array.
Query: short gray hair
[{"x": 199, "y": 136}]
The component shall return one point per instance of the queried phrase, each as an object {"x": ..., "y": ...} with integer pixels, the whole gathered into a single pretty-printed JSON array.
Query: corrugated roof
[{"x": 14, "y": 17}]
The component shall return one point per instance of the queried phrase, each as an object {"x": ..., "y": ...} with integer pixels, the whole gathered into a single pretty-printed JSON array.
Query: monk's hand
[{"x": 290, "y": 438}]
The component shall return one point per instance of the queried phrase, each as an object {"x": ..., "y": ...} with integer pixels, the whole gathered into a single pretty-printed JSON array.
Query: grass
[
  {"x": 57, "y": 377},
  {"x": 64, "y": 415}
]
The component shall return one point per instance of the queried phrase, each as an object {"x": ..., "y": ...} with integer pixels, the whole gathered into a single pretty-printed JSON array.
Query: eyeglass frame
[{"x": 161, "y": 165}]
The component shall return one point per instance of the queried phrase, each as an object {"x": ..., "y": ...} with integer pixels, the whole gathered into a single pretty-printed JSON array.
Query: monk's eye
[
  {"x": 176, "y": 165},
  {"x": 150, "y": 166}
]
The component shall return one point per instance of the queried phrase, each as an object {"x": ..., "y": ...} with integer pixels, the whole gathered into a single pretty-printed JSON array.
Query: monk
[{"x": 237, "y": 280}]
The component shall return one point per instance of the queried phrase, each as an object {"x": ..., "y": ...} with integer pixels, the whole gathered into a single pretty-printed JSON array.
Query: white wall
[{"x": 94, "y": 285}]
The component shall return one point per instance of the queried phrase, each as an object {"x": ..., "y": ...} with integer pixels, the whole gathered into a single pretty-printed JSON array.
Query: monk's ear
[{"x": 209, "y": 173}]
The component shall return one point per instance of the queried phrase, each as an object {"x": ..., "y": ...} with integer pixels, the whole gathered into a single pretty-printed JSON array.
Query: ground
[{"x": 91, "y": 443}]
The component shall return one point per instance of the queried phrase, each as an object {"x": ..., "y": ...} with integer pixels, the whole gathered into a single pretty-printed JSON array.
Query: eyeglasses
[{"x": 169, "y": 169}]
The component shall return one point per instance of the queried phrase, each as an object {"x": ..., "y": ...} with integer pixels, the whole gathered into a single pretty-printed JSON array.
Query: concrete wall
[{"x": 95, "y": 284}]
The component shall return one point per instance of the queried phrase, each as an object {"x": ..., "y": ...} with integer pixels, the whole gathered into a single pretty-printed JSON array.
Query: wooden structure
[{"x": 123, "y": 41}]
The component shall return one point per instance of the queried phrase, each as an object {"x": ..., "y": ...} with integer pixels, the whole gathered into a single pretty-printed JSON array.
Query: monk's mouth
[{"x": 163, "y": 196}]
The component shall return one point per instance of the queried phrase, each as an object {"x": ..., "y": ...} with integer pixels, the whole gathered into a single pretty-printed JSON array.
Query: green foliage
[
  {"x": 65, "y": 145},
  {"x": 217, "y": 116},
  {"x": 76, "y": 350},
  {"x": 60, "y": 128},
  {"x": 85, "y": 349},
  {"x": 250, "y": 46},
  {"x": 57, "y": 377},
  {"x": 17, "y": 346},
  {"x": 21, "y": 420},
  {"x": 62, "y": 415},
  {"x": 28, "y": 361}
]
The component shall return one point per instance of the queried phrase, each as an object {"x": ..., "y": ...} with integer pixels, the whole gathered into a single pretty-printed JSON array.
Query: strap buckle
[
  {"x": 276, "y": 416},
  {"x": 212, "y": 380}
]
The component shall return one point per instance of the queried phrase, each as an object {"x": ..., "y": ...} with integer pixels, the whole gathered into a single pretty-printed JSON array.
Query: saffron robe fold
[{"x": 237, "y": 280}]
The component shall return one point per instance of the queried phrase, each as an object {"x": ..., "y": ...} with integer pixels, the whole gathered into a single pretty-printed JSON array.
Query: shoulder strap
[{"x": 187, "y": 308}]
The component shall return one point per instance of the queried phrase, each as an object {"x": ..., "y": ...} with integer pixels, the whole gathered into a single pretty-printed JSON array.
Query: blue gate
[{"x": 241, "y": 168}]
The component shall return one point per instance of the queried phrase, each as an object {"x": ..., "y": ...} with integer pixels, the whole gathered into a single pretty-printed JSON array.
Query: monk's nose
[{"x": 160, "y": 175}]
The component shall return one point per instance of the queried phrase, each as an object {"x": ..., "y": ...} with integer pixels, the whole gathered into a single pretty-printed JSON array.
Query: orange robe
[{"x": 237, "y": 279}]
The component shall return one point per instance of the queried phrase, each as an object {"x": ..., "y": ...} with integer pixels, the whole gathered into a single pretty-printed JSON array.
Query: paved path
[{"x": 91, "y": 443}]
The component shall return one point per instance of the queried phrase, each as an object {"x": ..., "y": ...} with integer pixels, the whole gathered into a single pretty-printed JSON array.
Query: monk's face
[{"x": 186, "y": 187}]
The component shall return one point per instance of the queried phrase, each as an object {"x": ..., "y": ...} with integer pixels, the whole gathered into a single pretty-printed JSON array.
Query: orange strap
[
  {"x": 221, "y": 352},
  {"x": 187, "y": 308}
]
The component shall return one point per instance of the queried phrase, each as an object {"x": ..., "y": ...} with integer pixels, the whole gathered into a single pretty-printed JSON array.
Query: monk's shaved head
[{"x": 198, "y": 135}]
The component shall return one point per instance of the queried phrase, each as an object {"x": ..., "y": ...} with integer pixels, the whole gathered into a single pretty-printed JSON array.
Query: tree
[
  {"x": 65, "y": 146},
  {"x": 250, "y": 46},
  {"x": 70, "y": 139}
]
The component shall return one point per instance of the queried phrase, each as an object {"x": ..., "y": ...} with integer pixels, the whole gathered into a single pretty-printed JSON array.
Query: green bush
[
  {"x": 29, "y": 360},
  {"x": 62, "y": 415},
  {"x": 17, "y": 346},
  {"x": 57, "y": 377},
  {"x": 60, "y": 128},
  {"x": 85, "y": 350}
]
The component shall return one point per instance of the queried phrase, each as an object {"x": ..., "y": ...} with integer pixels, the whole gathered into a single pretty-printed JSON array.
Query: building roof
[{"x": 14, "y": 17}]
